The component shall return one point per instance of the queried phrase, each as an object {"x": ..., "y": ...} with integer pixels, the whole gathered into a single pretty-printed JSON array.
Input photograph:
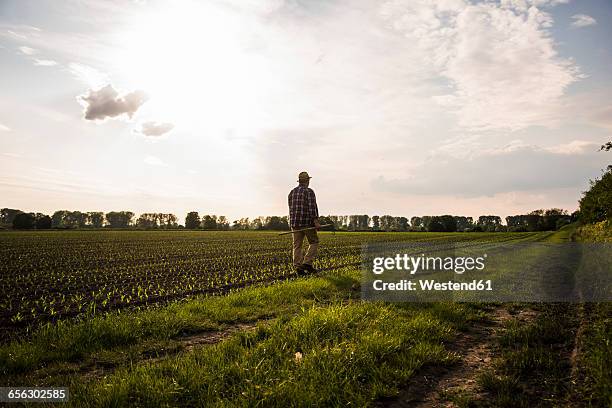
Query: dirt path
[
  {"x": 95, "y": 367},
  {"x": 437, "y": 386}
]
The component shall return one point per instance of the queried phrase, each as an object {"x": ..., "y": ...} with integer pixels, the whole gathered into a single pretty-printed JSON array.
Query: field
[
  {"x": 51, "y": 275},
  {"x": 180, "y": 318}
]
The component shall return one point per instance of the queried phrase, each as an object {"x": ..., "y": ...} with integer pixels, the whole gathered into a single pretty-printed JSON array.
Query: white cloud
[
  {"x": 155, "y": 128},
  {"x": 499, "y": 58},
  {"x": 27, "y": 50},
  {"x": 155, "y": 161},
  {"x": 582, "y": 20},
  {"x": 16, "y": 35},
  {"x": 88, "y": 75},
  {"x": 44, "y": 62},
  {"x": 4, "y": 128},
  {"x": 575, "y": 147},
  {"x": 107, "y": 103}
]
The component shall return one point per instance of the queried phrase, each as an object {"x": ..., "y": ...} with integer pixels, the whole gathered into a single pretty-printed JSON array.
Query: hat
[{"x": 303, "y": 176}]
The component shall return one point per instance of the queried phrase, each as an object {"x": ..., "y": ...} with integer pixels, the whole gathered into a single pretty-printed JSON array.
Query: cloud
[
  {"x": 107, "y": 103},
  {"x": 16, "y": 35},
  {"x": 582, "y": 20},
  {"x": 511, "y": 168},
  {"x": 27, "y": 50},
  {"x": 155, "y": 161},
  {"x": 155, "y": 128},
  {"x": 88, "y": 75},
  {"x": 575, "y": 147},
  {"x": 4, "y": 128},
  {"x": 44, "y": 62},
  {"x": 499, "y": 58},
  {"x": 30, "y": 52}
]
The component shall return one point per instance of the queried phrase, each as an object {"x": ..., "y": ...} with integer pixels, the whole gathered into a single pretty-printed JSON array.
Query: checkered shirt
[{"x": 302, "y": 207}]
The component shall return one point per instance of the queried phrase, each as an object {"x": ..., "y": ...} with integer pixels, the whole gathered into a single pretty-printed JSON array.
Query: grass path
[{"x": 521, "y": 355}]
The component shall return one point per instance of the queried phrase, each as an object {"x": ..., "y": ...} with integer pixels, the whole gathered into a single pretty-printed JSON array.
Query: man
[{"x": 303, "y": 213}]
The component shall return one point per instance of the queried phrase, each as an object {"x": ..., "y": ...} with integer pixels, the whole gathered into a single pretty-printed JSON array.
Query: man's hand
[{"x": 317, "y": 224}]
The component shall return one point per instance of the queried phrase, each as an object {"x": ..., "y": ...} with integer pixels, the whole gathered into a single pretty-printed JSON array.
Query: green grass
[
  {"x": 72, "y": 341},
  {"x": 532, "y": 364},
  {"x": 595, "y": 360},
  {"x": 350, "y": 354},
  {"x": 595, "y": 341}
]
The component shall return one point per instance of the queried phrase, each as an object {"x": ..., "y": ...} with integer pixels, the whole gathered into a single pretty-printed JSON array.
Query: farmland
[
  {"x": 183, "y": 318},
  {"x": 51, "y": 275}
]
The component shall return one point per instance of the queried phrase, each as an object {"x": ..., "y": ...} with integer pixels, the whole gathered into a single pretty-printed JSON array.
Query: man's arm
[{"x": 313, "y": 210}]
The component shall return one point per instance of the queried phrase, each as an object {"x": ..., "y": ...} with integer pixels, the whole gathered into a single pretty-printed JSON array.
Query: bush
[{"x": 596, "y": 203}]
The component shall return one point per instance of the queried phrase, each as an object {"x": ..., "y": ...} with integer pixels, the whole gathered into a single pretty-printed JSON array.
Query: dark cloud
[
  {"x": 107, "y": 103},
  {"x": 155, "y": 128},
  {"x": 528, "y": 168}
]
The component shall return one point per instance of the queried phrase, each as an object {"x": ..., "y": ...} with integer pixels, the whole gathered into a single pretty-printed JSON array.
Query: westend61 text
[
  {"x": 427, "y": 263},
  {"x": 430, "y": 284}
]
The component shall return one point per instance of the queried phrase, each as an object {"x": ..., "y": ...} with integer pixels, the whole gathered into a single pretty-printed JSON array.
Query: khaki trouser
[{"x": 298, "y": 252}]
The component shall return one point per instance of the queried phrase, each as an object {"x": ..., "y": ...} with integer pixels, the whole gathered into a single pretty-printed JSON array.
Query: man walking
[{"x": 303, "y": 213}]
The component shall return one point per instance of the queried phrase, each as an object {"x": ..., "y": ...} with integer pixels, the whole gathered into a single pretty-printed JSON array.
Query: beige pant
[{"x": 298, "y": 252}]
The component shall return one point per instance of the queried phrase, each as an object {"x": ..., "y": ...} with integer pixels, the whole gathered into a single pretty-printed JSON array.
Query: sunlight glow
[{"x": 193, "y": 59}]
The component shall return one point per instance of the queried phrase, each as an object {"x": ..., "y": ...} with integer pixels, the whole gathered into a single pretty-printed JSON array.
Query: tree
[
  {"x": 464, "y": 223},
  {"x": 276, "y": 223},
  {"x": 24, "y": 221},
  {"x": 449, "y": 223},
  {"x": 323, "y": 220},
  {"x": 607, "y": 146},
  {"x": 241, "y": 224},
  {"x": 533, "y": 220},
  {"x": 77, "y": 219},
  {"x": 209, "y": 222},
  {"x": 387, "y": 223},
  {"x": 119, "y": 219},
  {"x": 7, "y": 215},
  {"x": 516, "y": 223},
  {"x": 57, "y": 219},
  {"x": 353, "y": 224},
  {"x": 402, "y": 223},
  {"x": 552, "y": 218},
  {"x": 222, "y": 223},
  {"x": 167, "y": 221},
  {"x": 489, "y": 223},
  {"x": 416, "y": 223},
  {"x": 256, "y": 223},
  {"x": 147, "y": 220},
  {"x": 375, "y": 223},
  {"x": 192, "y": 220},
  {"x": 434, "y": 224},
  {"x": 42, "y": 221},
  {"x": 596, "y": 203},
  {"x": 96, "y": 219}
]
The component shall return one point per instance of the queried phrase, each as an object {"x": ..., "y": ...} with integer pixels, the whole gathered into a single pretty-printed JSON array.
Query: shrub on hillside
[{"x": 596, "y": 203}]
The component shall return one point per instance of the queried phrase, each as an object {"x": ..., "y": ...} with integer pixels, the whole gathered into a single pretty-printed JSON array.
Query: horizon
[{"x": 459, "y": 107}]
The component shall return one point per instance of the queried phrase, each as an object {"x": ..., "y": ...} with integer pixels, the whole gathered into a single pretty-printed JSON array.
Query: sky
[{"x": 400, "y": 107}]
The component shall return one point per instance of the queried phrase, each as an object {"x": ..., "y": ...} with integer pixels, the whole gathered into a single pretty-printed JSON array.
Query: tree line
[{"x": 538, "y": 220}]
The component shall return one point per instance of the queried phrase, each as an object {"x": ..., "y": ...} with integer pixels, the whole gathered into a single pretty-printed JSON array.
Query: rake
[{"x": 305, "y": 229}]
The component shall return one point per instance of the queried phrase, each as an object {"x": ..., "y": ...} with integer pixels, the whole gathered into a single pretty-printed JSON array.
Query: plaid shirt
[{"x": 302, "y": 207}]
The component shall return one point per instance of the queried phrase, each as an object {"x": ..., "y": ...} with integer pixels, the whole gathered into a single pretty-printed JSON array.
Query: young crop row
[{"x": 50, "y": 275}]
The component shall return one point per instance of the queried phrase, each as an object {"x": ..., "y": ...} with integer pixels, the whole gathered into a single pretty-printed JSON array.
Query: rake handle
[{"x": 304, "y": 229}]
